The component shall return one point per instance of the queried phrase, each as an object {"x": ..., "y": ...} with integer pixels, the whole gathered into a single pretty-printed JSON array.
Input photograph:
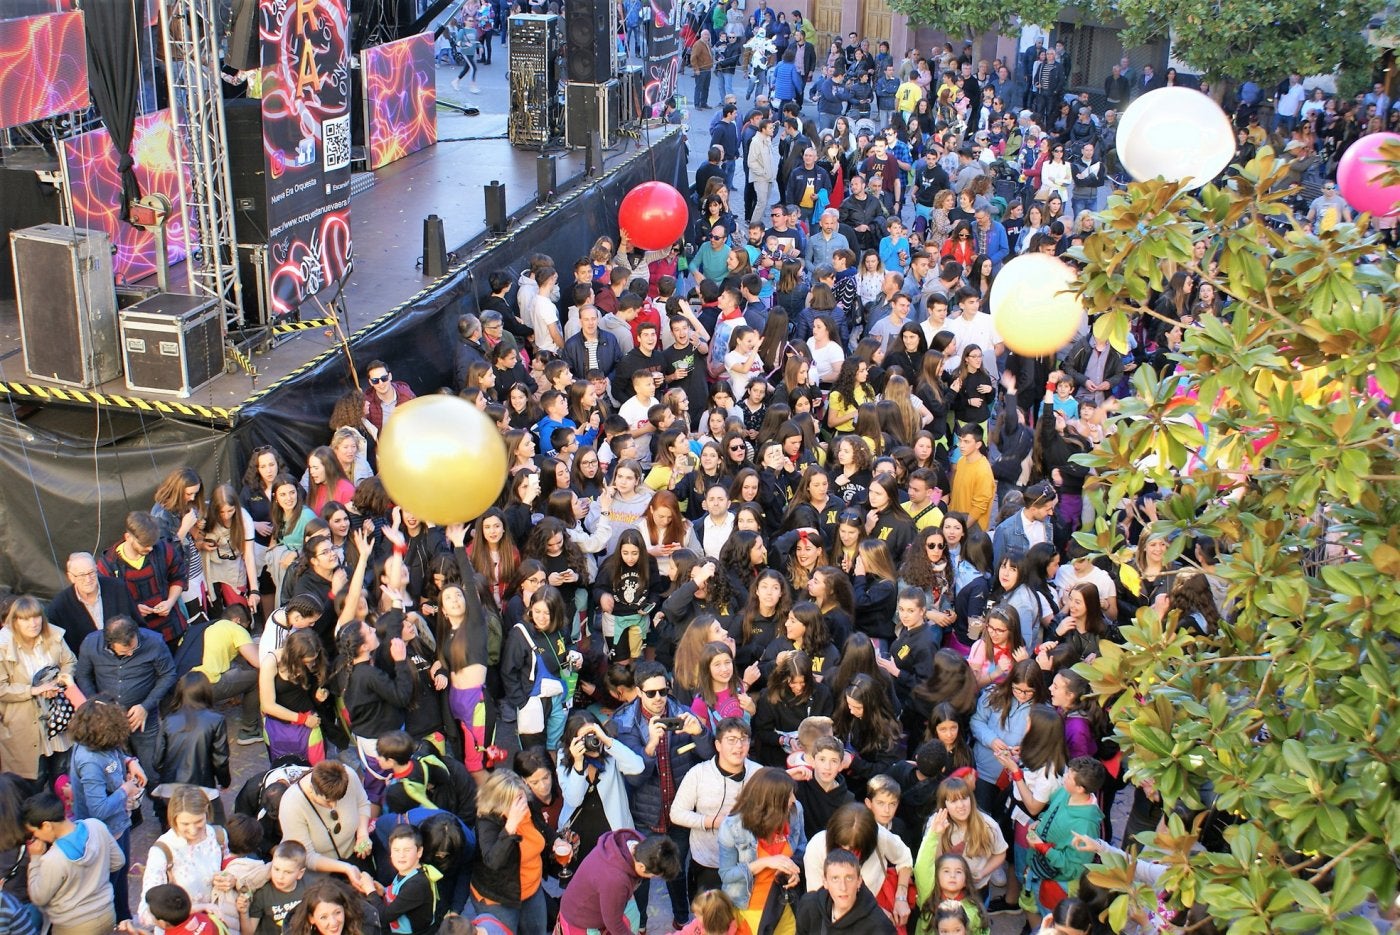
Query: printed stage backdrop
[
  {"x": 43, "y": 67},
  {"x": 306, "y": 142},
  {"x": 96, "y": 191},
  {"x": 663, "y": 65},
  {"x": 400, "y": 98}
]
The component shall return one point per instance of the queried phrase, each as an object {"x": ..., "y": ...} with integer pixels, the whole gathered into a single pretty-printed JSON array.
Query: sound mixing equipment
[{"x": 536, "y": 50}]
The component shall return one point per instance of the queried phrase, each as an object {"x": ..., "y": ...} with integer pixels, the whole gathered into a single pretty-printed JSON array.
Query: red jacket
[{"x": 374, "y": 409}]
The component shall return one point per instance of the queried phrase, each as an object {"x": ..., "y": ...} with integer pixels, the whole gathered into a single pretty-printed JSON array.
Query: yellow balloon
[
  {"x": 442, "y": 459},
  {"x": 1033, "y": 308}
]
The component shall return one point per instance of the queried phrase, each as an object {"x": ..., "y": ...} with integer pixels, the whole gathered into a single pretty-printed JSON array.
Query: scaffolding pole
[{"x": 190, "y": 30}]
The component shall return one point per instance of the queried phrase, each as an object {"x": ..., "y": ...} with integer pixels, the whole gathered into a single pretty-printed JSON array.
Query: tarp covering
[{"x": 63, "y": 491}]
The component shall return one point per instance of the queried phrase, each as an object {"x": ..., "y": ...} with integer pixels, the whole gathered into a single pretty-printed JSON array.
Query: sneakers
[
  {"x": 475, "y": 89},
  {"x": 1000, "y": 906},
  {"x": 456, "y": 84},
  {"x": 247, "y": 737}
]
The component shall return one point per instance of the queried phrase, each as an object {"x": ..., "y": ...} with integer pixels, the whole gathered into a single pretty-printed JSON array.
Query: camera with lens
[
  {"x": 592, "y": 744},
  {"x": 672, "y": 724}
]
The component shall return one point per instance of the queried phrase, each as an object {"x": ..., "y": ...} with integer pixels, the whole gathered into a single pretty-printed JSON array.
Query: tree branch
[{"x": 1328, "y": 867}]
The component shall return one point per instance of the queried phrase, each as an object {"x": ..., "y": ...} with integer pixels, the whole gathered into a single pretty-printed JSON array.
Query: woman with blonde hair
[
  {"x": 36, "y": 668},
  {"x": 509, "y": 871},
  {"x": 958, "y": 826},
  {"x": 191, "y": 854}
]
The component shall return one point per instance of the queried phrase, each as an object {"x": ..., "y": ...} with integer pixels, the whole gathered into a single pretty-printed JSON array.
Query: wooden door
[{"x": 877, "y": 22}]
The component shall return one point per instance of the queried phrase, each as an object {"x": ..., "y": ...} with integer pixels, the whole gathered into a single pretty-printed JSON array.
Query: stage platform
[{"x": 446, "y": 179}]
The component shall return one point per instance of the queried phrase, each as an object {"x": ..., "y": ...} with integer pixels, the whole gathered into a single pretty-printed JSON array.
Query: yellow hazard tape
[
  {"x": 112, "y": 401},
  {"x": 288, "y": 327}
]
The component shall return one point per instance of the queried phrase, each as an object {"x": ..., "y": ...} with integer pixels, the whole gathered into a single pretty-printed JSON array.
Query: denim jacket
[{"x": 738, "y": 848}]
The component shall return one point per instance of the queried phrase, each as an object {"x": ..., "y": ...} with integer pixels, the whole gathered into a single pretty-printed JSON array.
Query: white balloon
[
  {"x": 1178, "y": 134},
  {"x": 1033, "y": 308}
]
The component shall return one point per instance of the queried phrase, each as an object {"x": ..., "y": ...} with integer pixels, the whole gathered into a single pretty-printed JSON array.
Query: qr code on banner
[{"x": 336, "y": 136}]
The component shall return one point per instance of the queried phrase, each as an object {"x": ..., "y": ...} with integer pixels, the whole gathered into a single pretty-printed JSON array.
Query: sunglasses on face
[
  {"x": 375, "y": 381},
  {"x": 654, "y": 692}
]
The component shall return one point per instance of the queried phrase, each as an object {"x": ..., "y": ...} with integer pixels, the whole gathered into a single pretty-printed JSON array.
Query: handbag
[{"x": 55, "y": 712}]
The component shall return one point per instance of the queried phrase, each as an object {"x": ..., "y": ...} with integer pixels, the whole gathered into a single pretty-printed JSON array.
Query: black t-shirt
[
  {"x": 269, "y": 906},
  {"x": 930, "y": 181},
  {"x": 691, "y": 360}
]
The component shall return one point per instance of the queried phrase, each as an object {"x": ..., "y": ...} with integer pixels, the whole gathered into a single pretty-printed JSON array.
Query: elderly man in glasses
[
  {"x": 88, "y": 601},
  {"x": 671, "y": 742},
  {"x": 385, "y": 394}
]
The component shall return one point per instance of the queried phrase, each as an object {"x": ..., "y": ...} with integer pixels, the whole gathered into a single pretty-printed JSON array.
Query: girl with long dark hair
[{"x": 792, "y": 695}]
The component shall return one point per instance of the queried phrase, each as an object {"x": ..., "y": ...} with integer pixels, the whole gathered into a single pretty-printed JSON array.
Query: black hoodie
[{"x": 866, "y": 916}]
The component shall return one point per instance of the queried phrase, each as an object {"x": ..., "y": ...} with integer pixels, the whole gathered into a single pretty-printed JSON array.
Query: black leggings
[{"x": 468, "y": 65}]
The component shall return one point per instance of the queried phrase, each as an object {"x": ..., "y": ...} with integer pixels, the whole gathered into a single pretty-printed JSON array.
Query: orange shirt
[{"x": 531, "y": 863}]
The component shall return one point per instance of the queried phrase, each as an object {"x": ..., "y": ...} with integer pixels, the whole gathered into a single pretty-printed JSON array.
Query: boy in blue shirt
[{"x": 894, "y": 246}]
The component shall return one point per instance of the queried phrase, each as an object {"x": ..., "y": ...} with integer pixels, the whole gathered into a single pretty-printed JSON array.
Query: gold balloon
[
  {"x": 1032, "y": 307},
  {"x": 442, "y": 459}
]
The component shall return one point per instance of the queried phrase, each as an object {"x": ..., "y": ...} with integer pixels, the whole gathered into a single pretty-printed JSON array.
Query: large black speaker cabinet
[
  {"x": 589, "y": 39},
  {"x": 247, "y": 170},
  {"x": 244, "y": 46},
  {"x": 67, "y": 304}
]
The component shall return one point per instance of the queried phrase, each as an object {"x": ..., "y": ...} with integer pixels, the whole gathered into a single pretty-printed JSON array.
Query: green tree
[
  {"x": 1259, "y": 39},
  {"x": 1231, "y": 39},
  {"x": 974, "y": 17},
  {"x": 1288, "y": 713}
]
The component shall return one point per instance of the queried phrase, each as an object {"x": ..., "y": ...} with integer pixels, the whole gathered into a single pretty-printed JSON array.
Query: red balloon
[{"x": 653, "y": 215}]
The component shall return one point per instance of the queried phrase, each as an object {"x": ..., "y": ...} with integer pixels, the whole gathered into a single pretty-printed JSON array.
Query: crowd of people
[{"x": 779, "y": 607}]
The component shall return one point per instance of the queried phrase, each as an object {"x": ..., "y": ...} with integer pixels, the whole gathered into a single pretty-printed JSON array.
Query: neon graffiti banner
[
  {"x": 663, "y": 65},
  {"x": 400, "y": 98},
  {"x": 96, "y": 191},
  {"x": 43, "y": 67},
  {"x": 306, "y": 143}
]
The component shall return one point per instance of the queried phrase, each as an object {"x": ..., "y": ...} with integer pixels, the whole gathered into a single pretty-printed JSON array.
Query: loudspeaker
[
  {"x": 247, "y": 169},
  {"x": 546, "y": 178},
  {"x": 633, "y": 92},
  {"x": 495, "y": 207},
  {"x": 434, "y": 247},
  {"x": 591, "y": 108},
  {"x": 67, "y": 304},
  {"x": 593, "y": 159},
  {"x": 244, "y": 44},
  {"x": 589, "y": 39}
]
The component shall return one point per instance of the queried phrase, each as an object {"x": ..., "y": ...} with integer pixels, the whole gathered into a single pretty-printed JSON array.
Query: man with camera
[
  {"x": 671, "y": 741},
  {"x": 706, "y": 797}
]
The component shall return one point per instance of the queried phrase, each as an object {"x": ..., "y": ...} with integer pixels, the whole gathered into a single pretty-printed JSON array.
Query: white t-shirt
[
  {"x": 635, "y": 412},
  {"x": 1066, "y": 578},
  {"x": 1042, "y": 783},
  {"x": 543, "y": 313},
  {"x": 827, "y": 360},
  {"x": 979, "y": 331},
  {"x": 738, "y": 382}
]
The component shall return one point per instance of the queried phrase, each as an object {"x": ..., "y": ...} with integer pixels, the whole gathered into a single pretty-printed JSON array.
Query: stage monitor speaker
[
  {"x": 247, "y": 169},
  {"x": 244, "y": 44},
  {"x": 589, "y": 40},
  {"x": 67, "y": 304},
  {"x": 434, "y": 247},
  {"x": 591, "y": 108},
  {"x": 495, "y": 207},
  {"x": 546, "y": 177},
  {"x": 632, "y": 89}
]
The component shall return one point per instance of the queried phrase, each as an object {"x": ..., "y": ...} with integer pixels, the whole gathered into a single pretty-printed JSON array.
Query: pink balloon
[
  {"x": 1358, "y": 175},
  {"x": 654, "y": 215}
]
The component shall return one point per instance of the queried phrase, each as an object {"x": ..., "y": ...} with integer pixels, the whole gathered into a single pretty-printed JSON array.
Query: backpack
[{"x": 190, "y": 652}]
